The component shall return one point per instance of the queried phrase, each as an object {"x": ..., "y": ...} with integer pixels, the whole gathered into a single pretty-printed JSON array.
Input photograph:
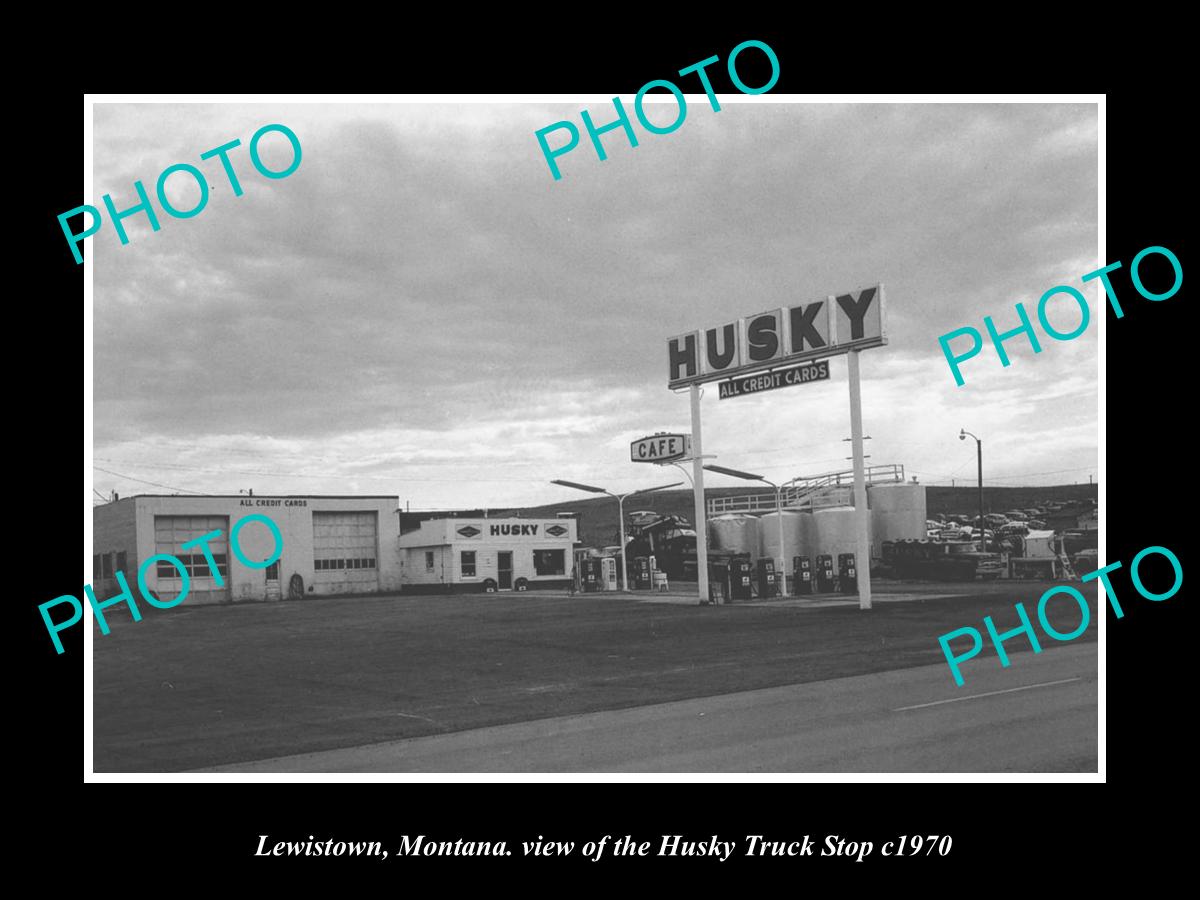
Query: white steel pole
[
  {"x": 624, "y": 562},
  {"x": 780, "y": 578},
  {"x": 861, "y": 513},
  {"x": 698, "y": 490}
]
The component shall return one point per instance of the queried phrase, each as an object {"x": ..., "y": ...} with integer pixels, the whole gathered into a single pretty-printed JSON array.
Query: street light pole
[
  {"x": 592, "y": 489},
  {"x": 963, "y": 434},
  {"x": 624, "y": 553},
  {"x": 779, "y": 576}
]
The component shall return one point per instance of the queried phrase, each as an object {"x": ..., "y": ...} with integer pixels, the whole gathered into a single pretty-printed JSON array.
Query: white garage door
[
  {"x": 170, "y": 534},
  {"x": 345, "y": 551}
]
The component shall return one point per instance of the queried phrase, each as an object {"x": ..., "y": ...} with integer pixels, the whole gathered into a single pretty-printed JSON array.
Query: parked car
[
  {"x": 971, "y": 532},
  {"x": 1087, "y": 561},
  {"x": 1016, "y": 515},
  {"x": 995, "y": 520},
  {"x": 1037, "y": 524},
  {"x": 1020, "y": 529}
]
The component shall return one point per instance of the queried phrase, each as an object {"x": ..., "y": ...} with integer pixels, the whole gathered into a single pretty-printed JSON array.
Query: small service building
[
  {"x": 331, "y": 545},
  {"x": 509, "y": 554}
]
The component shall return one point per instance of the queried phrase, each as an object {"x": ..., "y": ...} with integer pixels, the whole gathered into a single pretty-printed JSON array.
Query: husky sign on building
[{"x": 807, "y": 331}]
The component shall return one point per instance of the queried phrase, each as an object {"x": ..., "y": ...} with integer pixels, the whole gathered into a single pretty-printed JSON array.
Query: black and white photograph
[{"x": 677, "y": 433}]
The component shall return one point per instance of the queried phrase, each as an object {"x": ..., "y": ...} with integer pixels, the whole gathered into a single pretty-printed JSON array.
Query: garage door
[
  {"x": 170, "y": 534},
  {"x": 345, "y": 552}
]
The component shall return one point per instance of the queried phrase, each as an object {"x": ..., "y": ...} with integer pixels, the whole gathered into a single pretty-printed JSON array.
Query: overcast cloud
[{"x": 421, "y": 310}]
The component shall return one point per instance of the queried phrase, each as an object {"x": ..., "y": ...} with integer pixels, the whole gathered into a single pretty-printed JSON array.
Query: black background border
[{"x": 212, "y": 832}]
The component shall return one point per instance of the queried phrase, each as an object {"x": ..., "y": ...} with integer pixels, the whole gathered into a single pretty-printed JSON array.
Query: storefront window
[
  {"x": 549, "y": 562},
  {"x": 468, "y": 563},
  {"x": 429, "y": 560}
]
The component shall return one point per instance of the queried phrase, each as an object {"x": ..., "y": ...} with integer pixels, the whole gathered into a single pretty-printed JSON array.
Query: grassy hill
[{"x": 598, "y": 515}]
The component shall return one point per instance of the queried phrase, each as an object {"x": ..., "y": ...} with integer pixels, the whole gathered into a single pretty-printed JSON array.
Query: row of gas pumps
[
  {"x": 736, "y": 578},
  {"x": 731, "y": 578},
  {"x": 600, "y": 574}
]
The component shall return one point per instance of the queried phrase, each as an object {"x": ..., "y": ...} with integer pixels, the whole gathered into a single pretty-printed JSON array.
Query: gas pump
[
  {"x": 766, "y": 578},
  {"x": 608, "y": 574},
  {"x": 590, "y": 575},
  {"x": 825, "y": 574},
  {"x": 802, "y": 576},
  {"x": 641, "y": 573},
  {"x": 740, "y": 577},
  {"x": 847, "y": 573}
]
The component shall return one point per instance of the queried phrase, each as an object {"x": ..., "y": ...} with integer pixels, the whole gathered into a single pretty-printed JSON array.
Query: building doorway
[
  {"x": 273, "y": 590},
  {"x": 504, "y": 570}
]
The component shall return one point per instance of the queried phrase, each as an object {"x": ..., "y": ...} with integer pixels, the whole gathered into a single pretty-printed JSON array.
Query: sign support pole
[
  {"x": 862, "y": 515},
  {"x": 698, "y": 489}
]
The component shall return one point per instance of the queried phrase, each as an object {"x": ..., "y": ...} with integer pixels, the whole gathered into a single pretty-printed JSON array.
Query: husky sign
[
  {"x": 661, "y": 448},
  {"x": 774, "y": 349},
  {"x": 809, "y": 331}
]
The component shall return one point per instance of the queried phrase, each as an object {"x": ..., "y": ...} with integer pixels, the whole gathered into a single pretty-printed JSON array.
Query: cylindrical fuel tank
[
  {"x": 797, "y": 536},
  {"x": 835, "y": 531},
  {"x": 898, "y": 513},
  {"x": 735, "y": 532}
]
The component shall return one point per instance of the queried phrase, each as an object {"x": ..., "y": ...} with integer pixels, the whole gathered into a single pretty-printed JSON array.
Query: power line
[
  {"x": 1036, "y": 474},
  {"x": 345, "y": 476},
  {"x": 143, "y": 481},
  {"x": 271, "y": 455}
]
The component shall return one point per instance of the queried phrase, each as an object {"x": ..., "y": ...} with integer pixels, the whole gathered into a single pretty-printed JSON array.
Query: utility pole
[{"x": 962, "y": 436}]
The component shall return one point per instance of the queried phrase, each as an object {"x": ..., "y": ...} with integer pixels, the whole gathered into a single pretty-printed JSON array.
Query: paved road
[{"x": 1039, "y": 715}]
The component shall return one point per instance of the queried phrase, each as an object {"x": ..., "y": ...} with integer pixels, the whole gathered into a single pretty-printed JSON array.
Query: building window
[
  {"x": 549, "y": 562},
  {"x": 429, "y": 560},
  {"x": 106, "y": 562},
  {"x": 195, "y": 564},
  {"x": 121, "y": 561},
  {"x": 324, "y": 565},
  {"x": 166, "y": 569},
  {"x": 468, "y": 564},
  {"x": 200, "y": 565},
  {"x": 172, "y": 532}
]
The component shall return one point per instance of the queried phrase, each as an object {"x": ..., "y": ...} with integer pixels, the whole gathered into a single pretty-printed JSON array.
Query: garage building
[{"x": 331, "y": 545}]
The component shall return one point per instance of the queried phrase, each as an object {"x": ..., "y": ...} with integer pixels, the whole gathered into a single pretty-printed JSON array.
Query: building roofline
[{"x": 263, "y": 496}]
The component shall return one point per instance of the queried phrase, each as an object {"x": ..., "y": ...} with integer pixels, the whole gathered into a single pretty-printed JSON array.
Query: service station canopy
[
  {"x": 838, "y": 324},
  {"x": 661, "y": 448}
]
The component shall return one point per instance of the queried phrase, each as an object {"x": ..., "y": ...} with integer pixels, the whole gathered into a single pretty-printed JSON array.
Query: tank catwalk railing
[{"x": 810, "y": 492}]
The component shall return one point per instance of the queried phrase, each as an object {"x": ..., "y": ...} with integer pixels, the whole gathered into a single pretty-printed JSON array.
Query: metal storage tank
[
  {"x": 735, "y": 532},
  {"x": 797, "y": 536},
  {"x": 898, "y": 513},
  {"x": 835, "y": 531}
]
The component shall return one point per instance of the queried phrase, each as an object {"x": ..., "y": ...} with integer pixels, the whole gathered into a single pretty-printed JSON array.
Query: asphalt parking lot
[{"x": 207, "y": 686}]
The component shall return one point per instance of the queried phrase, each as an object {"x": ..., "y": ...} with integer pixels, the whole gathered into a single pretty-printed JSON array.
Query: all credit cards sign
[
  {"x": 659, "y": 448},
  {"x": 777, "y": 378},
  {"x": 811, "y": 331}
]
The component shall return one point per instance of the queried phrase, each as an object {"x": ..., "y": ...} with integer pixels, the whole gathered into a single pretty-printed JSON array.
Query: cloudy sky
[{"x": 422, "y": 310}]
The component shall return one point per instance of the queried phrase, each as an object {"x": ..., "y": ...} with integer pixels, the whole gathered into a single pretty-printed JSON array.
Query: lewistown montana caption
[{"x": 417, "y": 846}]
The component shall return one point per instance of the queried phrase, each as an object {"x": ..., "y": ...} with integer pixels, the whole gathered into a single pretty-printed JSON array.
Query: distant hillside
[{"x": 598, "y": 515}]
